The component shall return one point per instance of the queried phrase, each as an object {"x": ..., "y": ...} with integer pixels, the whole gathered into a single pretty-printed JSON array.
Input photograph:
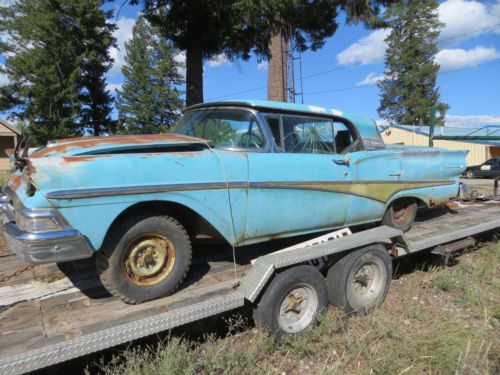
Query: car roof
[{"x": 273, "y": 106}]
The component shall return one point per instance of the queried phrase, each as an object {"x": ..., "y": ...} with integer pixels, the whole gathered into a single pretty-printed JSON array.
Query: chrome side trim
[
  {"x": 295, "y": 185},
  {"x": 147, "y": 189}
]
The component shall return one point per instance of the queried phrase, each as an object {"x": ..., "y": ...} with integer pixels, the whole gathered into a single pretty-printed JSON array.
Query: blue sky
[{"x": 469, "y": 56}]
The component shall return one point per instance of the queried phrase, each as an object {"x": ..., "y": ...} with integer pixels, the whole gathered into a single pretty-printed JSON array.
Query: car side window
[
  {"x": 226, "y": 128},
  {"x": 308, "y": 135},
  {"x": 344, "y": 139},
  {"x": 312, "y": 135}
]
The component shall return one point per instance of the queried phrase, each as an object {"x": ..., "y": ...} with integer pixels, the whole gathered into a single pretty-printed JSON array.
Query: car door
[{"x": 299, "y": 187}]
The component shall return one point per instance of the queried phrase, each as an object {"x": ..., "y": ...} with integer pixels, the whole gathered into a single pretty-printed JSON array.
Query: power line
[{"x": 344, "y": 68}]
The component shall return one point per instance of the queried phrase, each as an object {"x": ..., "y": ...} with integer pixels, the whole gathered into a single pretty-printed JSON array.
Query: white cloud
[
  {"x": 219, "y": 60},
  {"x": 371, "y": 79},
  {"x": 181, "y": 58},
  {"x": 366, "y": 50},
  {"x": 471, "y": 121},
  {"x": 262, "y": 65},
  {"x": 452, "y": 59},
  {"x": 467, "y": 19},
  {"x": 122, "y": 34},
  {"x": 463, "y": 20}
]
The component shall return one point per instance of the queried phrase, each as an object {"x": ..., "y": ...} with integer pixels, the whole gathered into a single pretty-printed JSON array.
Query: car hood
[{"x": 111, "y": 144}]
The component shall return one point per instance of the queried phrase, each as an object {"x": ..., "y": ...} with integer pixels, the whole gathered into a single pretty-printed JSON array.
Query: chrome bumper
[
  {"x": 42, "y": 246},
  {"x": 46, "y": 247}
]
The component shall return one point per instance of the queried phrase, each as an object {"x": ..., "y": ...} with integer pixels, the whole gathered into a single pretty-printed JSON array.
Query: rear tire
[
  {"x": 470, "y": 174},
  {"x": 401, "y": 214},
  {"x": 144, "y": 259},
  {"x": 359, "y": 282},
  {"x": 292, "y": 303}
]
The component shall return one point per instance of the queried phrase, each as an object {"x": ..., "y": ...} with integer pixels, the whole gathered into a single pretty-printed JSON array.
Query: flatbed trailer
[{"x": 48, "y": 316}]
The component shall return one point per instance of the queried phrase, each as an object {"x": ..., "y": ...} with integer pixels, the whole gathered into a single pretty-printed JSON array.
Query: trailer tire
[
  {"x": 144, "y": 258},
  {"x": 359, "y": 281},
  {"x": 401, "y": 214},
  {"x": 292, "y": 303}
]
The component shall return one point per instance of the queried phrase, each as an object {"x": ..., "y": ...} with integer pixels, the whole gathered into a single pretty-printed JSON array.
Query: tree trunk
[
  {"x": 194, "y": 75},
  {"x": 277, "y": 84}
]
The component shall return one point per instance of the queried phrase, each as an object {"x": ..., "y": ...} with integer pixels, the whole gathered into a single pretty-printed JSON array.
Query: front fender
[{"x": 93, "y": 219}]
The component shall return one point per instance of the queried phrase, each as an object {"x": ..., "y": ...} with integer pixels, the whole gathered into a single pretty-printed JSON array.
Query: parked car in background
[
  {"x": 244, "y": 171},
  {"x": 490, "y": 168}
]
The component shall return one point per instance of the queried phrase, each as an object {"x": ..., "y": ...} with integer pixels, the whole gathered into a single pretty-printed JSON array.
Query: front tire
[
  {"x": 401, "y": 214},
  {"x": 144, "y": 259},
  {"x": 359, "y": 282},
  {"x": 292, "y": 303}
]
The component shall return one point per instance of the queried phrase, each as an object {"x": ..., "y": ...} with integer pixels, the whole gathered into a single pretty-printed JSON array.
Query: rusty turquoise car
[{"x": 241, "y": 171}]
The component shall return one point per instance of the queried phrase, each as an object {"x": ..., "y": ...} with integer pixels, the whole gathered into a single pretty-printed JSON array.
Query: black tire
[
  {"x": 294, "y": 283},
  {"x": 470, "y": 174},
  {"x": 401, "y": 214},
  {"x": 353, "y": 291},
  {"x": 133, "y": 247}
]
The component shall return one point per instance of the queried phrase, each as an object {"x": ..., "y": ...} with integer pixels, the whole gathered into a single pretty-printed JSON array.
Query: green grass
[{"x": 440, "y": 321}]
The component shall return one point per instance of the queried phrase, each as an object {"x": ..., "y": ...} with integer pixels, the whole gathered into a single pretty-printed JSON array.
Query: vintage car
[{"x": 243, "y": 171}]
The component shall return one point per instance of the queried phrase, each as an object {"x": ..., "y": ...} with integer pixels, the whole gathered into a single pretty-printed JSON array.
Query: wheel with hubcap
[
  {"x": 360, "y": 281},
  {"x": 293, "y": 302},
  {"x": 144, "y": 259},
  {"x": 401, "y": 214}
]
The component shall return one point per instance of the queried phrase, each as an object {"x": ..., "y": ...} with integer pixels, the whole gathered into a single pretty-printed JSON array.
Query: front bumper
[
  {"x": 59, "y": 245},
  {"x": 46, "y": 247}
]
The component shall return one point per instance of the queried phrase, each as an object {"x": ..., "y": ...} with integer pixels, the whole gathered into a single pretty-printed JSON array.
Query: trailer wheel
[
  {"x": 360, "y": 281},
  {"x": 293, "y": 302},
  {"x": 401, "y": 214},
  {"x": 144, "y": 259}
]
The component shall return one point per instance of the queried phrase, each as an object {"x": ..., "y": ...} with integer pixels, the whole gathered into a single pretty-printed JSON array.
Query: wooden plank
[{"x": 21, "y": 327}]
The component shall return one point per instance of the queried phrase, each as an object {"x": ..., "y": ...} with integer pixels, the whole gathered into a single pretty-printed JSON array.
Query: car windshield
[{"x": 226, "y": 128}]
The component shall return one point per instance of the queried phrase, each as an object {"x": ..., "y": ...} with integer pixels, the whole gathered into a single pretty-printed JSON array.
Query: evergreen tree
[
  {"x": 409, "y": 90},
  {"x": 95, "y": 37},
  {"x": 56, "y": 56},
  {"x": 149, "y": 102}
]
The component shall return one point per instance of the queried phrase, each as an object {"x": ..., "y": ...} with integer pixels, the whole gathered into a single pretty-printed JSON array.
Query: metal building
[{"x": 479, "y": 150}]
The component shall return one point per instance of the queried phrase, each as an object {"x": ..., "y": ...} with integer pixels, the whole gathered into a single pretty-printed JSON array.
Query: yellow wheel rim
[{"x": 150, "y": 260}]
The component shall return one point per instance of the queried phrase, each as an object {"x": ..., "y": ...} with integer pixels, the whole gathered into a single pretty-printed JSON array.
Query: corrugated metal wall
[{"x": 478, "y": 153}]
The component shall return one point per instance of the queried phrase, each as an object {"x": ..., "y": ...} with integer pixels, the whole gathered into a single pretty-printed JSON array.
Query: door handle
[{"x": 344, "y": 161}]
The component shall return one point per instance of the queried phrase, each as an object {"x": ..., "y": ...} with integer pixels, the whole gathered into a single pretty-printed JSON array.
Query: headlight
[{"x": 37, "y": 220}]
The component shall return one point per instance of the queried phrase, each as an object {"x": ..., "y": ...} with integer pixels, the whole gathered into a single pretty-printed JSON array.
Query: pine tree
[
  {"x": 409, "y": 90},
  {"x": 95, "y": 34},
  {"x": 56, "y": 56},
  {"x": 149, "y": 101}
]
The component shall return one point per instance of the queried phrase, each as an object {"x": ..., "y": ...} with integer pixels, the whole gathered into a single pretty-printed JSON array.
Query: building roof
[
  {"x": 10, "y": 127},
  {"x": 453, "y": 131}
]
